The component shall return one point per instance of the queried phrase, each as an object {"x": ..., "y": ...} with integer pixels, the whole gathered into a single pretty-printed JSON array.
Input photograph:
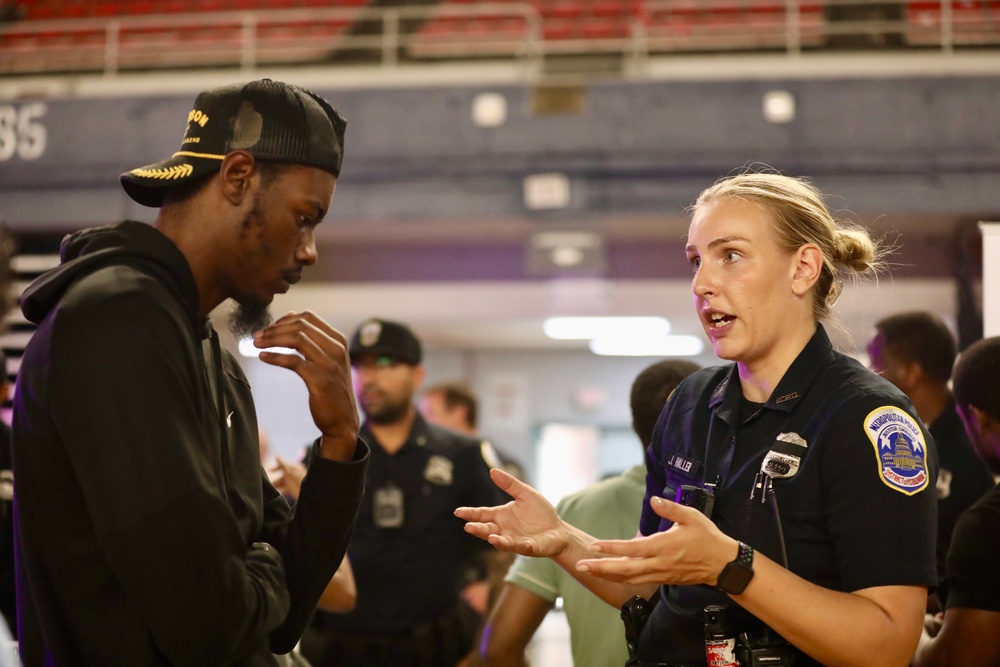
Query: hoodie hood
[{"x": 133, "y": 243}]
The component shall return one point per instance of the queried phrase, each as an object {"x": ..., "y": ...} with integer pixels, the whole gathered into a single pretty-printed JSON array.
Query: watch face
[{"x": 734, "y": 578}]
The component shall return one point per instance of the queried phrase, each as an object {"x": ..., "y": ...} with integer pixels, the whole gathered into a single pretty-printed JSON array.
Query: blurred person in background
[
  {"x": 409, "y": 553},
  {"x": 609, "y": 509},
  {"x": 8, "y": 588},
  {"x": 967, "y": 634},
  {"x": 840, "y": 576},
  {"x": 8, "y": 580},
  {"x": 916, "y": 351},
  {"x": 453, "y": 405}
]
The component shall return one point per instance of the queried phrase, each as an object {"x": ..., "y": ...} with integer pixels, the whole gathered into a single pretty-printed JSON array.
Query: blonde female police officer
[{"x": 843, "y": 574}]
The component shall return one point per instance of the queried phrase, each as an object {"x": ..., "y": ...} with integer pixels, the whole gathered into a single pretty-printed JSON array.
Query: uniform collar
[
  {"x": 793, "y": 385},
  {"x": 418, "y": 437}
]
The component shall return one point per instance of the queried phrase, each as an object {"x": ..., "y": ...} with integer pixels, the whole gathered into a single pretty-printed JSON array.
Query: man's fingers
[
  {"x": 303, "y": 337},
  {"x": 317, "y": 322},
  {"x": 290, "y": 361},
  {"x": 291, "y": 468}
]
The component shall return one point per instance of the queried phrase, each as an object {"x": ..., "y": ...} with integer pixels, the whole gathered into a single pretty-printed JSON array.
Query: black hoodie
[{"x": 142, "y": 507}]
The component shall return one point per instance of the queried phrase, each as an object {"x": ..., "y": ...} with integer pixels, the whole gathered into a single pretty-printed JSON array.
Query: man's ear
[
  {"x": 806, "y": 267},
  {"x": 236, "y": 176},
  {"x": 419, "y": 373},
  {"x": 984, "y": 423},
  {"x": 972, "y": 419},
  {"x": 909, "y": 373}
]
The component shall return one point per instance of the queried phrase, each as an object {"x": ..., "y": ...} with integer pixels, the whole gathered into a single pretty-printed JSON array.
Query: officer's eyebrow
[{"x": 722, "y": 240}]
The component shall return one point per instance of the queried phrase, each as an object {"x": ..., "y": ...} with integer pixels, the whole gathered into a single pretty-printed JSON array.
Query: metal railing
[{"x": 477, "y": 30}]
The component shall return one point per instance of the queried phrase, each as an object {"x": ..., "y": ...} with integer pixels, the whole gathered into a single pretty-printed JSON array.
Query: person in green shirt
[{"x": 609, "y": 509}]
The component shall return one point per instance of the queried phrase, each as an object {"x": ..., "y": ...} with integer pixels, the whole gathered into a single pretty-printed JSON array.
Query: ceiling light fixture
[
  {"x": 585, "y": 328},
  {"x": 779, "y": 107},
  {"x": 661, "y": 346}
]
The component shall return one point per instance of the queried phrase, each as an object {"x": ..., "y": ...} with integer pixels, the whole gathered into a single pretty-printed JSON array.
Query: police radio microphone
[{"x": 781, "y": 462}]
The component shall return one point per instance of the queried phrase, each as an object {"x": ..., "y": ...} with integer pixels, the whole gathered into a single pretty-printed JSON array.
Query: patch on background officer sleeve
[
  {"x": 489, "y": 454},
  {"x": 900, "y": 449}
]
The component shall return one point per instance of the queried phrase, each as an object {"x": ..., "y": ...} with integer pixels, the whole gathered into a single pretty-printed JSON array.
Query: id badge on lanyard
[{"x": 387, "y": 508}]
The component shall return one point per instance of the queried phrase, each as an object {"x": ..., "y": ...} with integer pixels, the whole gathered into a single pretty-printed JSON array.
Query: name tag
[{"x": 679, "y": 463}]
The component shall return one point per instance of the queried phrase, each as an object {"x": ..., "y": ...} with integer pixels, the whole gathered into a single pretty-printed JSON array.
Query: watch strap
[
  {"x": 737, "y": 573},
  {"x": 744, "y": 558}
]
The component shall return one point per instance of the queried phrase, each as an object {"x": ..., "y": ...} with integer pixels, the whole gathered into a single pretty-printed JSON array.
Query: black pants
[{"x": 442, "y": 642}]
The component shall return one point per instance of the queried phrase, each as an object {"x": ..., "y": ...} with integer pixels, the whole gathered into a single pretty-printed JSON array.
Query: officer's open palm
[
  {"x": 527, "y": 525},
  {"x": 692, "y": 551}
]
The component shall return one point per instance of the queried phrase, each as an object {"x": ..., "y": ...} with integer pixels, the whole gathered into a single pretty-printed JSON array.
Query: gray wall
[{"x": 889, "y": 145}]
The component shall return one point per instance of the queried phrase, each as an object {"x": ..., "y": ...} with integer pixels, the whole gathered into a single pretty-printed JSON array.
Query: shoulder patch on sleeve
[
  {"x": 489, "y": 454},
  {"x": 899, "y": 448}
]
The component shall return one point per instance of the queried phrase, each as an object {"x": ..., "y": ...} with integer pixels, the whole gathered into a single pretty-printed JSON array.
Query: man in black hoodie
[{"x": 148, "y": 533}]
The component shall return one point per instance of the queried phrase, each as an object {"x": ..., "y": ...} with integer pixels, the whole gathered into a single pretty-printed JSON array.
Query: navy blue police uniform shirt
[
  {"x": 409, "y": 574},
  {"x": 860, "y": 512}
]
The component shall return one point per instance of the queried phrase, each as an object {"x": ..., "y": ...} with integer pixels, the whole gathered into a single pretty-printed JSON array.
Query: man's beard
[
  {"x": 251, "y": 313},
  {"x": 248, "y": 317},
  {"x": 388, "y": 413}
]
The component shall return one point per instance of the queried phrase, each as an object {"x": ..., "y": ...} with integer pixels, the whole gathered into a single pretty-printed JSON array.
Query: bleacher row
[
  {"x": 69, "y": 9},
  {"x": 54, "y": 35}
]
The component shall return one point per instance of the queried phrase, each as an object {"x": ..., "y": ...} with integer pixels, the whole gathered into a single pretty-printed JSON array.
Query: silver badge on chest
[
  {"x": 387, "y": 507},
  {"x": 439, "y": 470}
]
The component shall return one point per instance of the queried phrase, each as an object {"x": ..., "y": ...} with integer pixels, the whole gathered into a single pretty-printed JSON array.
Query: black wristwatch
[{"x": 737, "y": 574}]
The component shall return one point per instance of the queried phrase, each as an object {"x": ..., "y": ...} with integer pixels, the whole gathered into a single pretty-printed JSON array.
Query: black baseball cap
[
  {"x": 385, "y": 338},
  {"x": 273, "y": 121}
]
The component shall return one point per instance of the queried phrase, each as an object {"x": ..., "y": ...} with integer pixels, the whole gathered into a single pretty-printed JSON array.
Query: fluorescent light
[
  {"x": 584, "y": 328},
  {"x": 247, "y": 349},
  {"x": 489, "y": 110},
  {"x": 779, "y": 107},
  {"x": 660, "y": 346}
]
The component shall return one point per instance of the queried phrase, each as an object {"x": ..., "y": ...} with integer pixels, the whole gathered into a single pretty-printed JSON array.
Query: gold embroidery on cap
[
  {"x": 197, "y": 117},
  {"x": 211, "y": 156},
  {"x": 168, "y": 174},
  {"x": 192, "y": 140}
]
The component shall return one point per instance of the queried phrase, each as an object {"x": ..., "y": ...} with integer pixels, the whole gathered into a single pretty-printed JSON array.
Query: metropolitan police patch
[{"x": 900, "y": 448}]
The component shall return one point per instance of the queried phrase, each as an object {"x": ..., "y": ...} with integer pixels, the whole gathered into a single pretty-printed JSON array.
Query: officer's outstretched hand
[
  {"x": 528, "y": 525},
  {"x": 692, "y": 551},
  {"x": 325, "y": 367}
]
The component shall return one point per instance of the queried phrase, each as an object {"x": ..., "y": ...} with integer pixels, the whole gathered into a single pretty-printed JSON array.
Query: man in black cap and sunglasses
[
  {"x": 148, "y": 533},
  {"x": 410, "y": 554}
]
